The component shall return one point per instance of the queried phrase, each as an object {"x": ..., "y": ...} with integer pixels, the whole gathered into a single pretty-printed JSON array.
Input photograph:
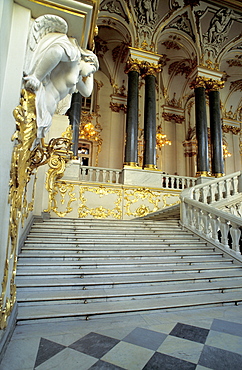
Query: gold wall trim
[{"x": 92, "y": 200}]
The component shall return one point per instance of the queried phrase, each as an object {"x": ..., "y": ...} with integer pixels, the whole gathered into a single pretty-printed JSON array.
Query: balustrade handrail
[
  {"x": 198, "y": 212},
  {"x": 190, "y": 192}
]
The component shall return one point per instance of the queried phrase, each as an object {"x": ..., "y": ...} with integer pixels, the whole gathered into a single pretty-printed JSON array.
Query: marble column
[
  {"x": 74, "y": 114},
  {"x": 131, "y": 147},
  {"x": 216, "y": 134},
  {"x": 150, "y": 123},
  {"x": 201, "y": 131}
]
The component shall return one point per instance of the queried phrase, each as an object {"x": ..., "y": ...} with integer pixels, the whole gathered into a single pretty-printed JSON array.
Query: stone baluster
[
  {"x": 214, "y": 226},
  {"x": 224, "y": 228},
  {"x": 235, "y": 235},
  {"x": 90, "y": 174}
]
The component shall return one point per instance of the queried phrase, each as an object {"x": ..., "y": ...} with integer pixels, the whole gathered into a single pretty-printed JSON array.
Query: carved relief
[
  {"x": 114, "y": 6},
  {"x": 218, "y": 30},
  {"x": 146, "y": 11},
  {"x": 182, "y": 23}
]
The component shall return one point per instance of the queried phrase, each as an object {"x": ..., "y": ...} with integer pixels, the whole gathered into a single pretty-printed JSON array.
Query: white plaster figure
[{"x": 55, "y": 67}]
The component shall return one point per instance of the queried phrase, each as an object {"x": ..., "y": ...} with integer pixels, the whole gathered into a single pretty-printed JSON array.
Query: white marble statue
[{"x": 55, "y": 67}]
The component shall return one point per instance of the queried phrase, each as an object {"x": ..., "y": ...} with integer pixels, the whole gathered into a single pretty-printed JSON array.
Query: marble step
[
  {"x": 63, "y": 257},
  {"x": 33, "y": 263},
  {"x": 80, "y": 272},
  {"x": 135, "y": 245},
  {"x": 139, "y": 292},
  {"x": 30, "y": 313},
  {"x": 90, "y": 282},
  {"x": 25, "y": 260},
  {"x": 111, "y": 236}
]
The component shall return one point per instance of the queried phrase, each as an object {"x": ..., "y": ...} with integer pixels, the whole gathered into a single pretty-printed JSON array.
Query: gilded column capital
[
  {"x": 214, "y": 85},
  {"x": 150, "y": 69},
  {"x": 199, "y": 81},
  {"x": 133, "y": 65}
]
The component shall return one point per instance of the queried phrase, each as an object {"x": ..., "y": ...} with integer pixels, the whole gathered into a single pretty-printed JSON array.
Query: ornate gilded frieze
[
  {"x": 227, "y": 128},
  {"x": 117, "y": 107},
  {"x": 173, "y": 117},
  {"x": 174, "y": 102}
]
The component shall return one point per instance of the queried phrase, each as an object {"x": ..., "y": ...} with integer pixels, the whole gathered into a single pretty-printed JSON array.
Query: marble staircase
[{"x": 81, "y": 268}]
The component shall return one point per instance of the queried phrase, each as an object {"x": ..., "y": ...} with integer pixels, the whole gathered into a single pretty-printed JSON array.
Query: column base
[
  {"x": 151, "y": 167},
  {"x": 131, "y": 165},
  {"x": 218, "y": 175},
  {"x": 202, "y": 174}
]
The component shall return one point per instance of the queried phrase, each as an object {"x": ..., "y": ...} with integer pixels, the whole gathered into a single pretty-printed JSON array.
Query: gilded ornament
[{"x": 173, "y": 117}]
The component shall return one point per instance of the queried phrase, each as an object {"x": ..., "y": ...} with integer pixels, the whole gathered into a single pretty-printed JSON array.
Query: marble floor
[{"x": 208, "y": 338}]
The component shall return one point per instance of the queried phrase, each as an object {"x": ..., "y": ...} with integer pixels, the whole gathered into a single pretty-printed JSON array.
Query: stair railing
[{"x": 199, "y": 214}]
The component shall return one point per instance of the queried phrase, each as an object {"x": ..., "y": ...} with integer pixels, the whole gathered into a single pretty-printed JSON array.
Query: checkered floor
[
  {"x": 183, "y": 348},
  {"x": 167, "y": 345}
]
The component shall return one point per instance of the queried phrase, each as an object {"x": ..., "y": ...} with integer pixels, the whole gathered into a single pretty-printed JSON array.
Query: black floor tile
[
  {"x": 228, "y": 327},
  {"x": 161, "y": 361},
  {"x": 102, "y": 365},
  {"x": 145, "y": 338},
  {"x": 219, "y": 359},
  {"x": 94, "y": 344},
  {"x": 189, "y": 332},
  {"x": 47, "y": 349}
]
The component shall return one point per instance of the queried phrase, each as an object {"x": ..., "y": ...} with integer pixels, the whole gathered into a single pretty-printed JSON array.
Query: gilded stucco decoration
[
  {"x": 27, "y": 156},
  {"x": 172, "y": 43},
  {"x": 236, "y": 62},
  {"x": 185, "y": 66},
  {"x": 67, "y": 197},
  {"x": 114, "y": 210},
  {"x": 59, "y": 156},
  {"x": 117, "y": 107},
  {"x": 173, "y": 117},
  {"x": 22, "y": 167}
]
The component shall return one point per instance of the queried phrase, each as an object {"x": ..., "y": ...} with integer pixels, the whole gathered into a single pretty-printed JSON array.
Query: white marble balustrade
[
  {"x": 99, "y": 174},
  {"x": 199, "y": 212},
  {"x": 115, "y": 176}
]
